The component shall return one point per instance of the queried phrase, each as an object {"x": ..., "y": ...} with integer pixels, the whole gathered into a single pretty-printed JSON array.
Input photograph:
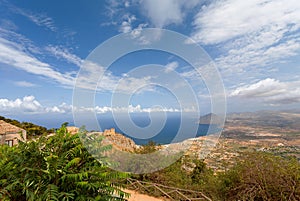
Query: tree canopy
[{"x": 56, "y": 168}]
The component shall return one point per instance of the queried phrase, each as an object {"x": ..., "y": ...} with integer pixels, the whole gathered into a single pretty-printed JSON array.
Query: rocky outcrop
[
  {"x": 72, "y": 129},
  {"x": 118, "y": 140}
]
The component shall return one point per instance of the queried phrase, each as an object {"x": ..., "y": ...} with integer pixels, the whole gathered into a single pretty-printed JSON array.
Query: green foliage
[
  {"x": 146, "y": 158},
  {"x": 258, "y": 176},
  {"x": 173, "y": 175},
  {"x": 198, "y": 174},
  {"x": 262, "y": 176},
  {"x": 186, "y": 173},
  {"x": 56, "y": 168},
  {"x": 148, "y": 148}
]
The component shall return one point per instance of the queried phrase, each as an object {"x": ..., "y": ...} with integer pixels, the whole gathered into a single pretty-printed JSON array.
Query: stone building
[
  {"x": 10, "y": 134},
  {"x": 118, "y": 140}
]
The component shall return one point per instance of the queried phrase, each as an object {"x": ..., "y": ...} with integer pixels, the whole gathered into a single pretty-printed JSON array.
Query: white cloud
[
  {"x": 26, "y": 105},
  {"x": 40, "y": 19},
  {"x": 250, "y": 34},
  {"x": 270, "y": 91},
  {"x": 127, "y": 4},
  {"x": 126, "y": 25},
  {"x": 25, "y": 84},
  {"x": 62, "y": 108},
  {"x": 166, "y": 12},
  {"x": 171, "y": 66},
  {"x": 225, "y": 20},
  {"x": 263, "y": 88},
  {"x": 144, "y": 39},
  {"x": 23, "y": 43},
  {"x": 257, "y": 50},
  {"x": 135, "y": 32},
  {"x": 133, "y": 109},
  {"x": 130, "y": 84},
  {"x": 93, "y": 75},
  {"x": 8, "y": 24},
  {"x": 16, "y": 55},
  {"x": 29, "y": 105},
  {"x": 13, "y": 54},
  {"x": 63, "y": 53},
  {"x": 18, "y": 51}
]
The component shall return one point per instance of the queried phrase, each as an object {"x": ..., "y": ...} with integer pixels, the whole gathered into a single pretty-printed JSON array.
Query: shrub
[
  {"x": 262, "y": 176},
  {"x": 56, "y": 168}
]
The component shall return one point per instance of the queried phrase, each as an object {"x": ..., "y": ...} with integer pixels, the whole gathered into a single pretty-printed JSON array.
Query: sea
[{"x": 174, "y": 129}]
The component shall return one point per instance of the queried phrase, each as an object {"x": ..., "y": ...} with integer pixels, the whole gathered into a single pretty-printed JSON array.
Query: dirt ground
[{"x": 135, "y": 196}]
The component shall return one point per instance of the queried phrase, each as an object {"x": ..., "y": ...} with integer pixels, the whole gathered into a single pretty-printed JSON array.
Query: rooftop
[{"x": 7, "y": 128}]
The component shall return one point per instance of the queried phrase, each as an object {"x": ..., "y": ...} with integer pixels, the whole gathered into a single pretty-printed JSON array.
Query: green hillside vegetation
[
  {"x": 57, "y": 168},
  {"x": 257, "y": 176},
  {"x": 32, "y": 130},
  {"x": 262, "y": 176}
]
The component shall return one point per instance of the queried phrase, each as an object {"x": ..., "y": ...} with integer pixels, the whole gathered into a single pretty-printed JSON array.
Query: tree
[
  {"x": 198, "y": 171},
  {"x": 148, "y": 148},
  {"x": 56, "y": 168}
]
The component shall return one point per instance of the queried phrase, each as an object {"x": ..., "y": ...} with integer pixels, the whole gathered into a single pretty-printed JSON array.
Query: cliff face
[{"x": 118, "y": 141}]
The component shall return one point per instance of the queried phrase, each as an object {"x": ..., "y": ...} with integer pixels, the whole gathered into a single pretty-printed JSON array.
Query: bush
[
  {"x": 262, "y": 176},
  {"x": 56, "y": 168},
  {"x": 257, "y": 176},
  {"x": 198, "y": 177}
]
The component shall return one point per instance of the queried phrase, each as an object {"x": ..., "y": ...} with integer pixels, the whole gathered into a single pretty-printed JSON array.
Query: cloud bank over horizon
[{"x": 29, "y": 104}]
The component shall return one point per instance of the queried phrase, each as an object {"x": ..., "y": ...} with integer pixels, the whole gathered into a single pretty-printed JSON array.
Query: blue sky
[{"x": 255, "y": 45}]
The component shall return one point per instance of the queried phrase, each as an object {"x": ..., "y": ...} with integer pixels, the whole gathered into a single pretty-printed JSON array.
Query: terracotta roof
[{"x": 7, "y": 127}]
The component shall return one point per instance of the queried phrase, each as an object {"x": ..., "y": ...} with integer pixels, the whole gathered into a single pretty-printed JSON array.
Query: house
[{"x": 10, "y": 134}]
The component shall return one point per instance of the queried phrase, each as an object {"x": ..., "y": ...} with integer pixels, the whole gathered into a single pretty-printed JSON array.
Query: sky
[{"x": 255, "y": 45}]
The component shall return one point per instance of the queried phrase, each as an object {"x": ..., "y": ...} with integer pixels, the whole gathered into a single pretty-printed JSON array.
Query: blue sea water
[{"x": 169, "y": 133}]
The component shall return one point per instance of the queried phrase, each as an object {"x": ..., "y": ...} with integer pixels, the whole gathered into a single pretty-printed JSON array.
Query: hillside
[
  {"x": 278, "y": 119},
  {"x": 272, "y": 137}
]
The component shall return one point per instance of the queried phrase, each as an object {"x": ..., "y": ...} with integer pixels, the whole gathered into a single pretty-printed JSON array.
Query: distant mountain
[
  {"x": 210, "y": 118},
  {"x": 281, "y": 119}
]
